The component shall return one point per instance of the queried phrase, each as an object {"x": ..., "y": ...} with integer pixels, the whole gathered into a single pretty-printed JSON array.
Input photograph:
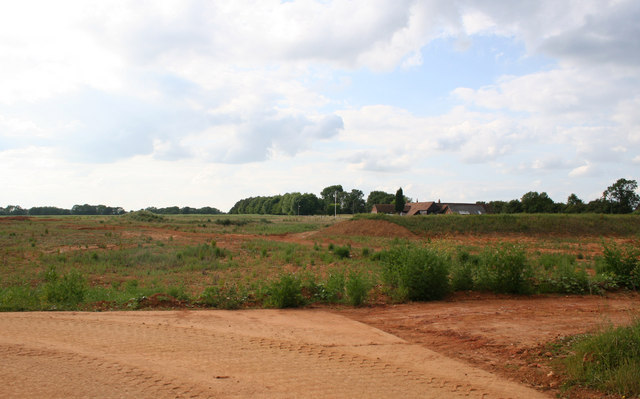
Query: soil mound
[{"x": 375, "y": 228}]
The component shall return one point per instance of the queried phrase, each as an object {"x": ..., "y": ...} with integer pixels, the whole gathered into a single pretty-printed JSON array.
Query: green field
[{"x": 141, "y": 260}]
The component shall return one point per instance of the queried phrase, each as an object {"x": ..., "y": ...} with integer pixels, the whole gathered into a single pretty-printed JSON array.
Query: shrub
[
  {"x": 504, "y": 270},
  {"x": 178, "y": 292},
  {"x": 342, "y": 252},
  {"x": 609, "y": 361},
  {"x": 144, "y": 216},
  {"x": 335, "y": 286},
  {"x": 357, "y": 288},
  {"x": 68, "y": 291},
  {"x": 18, "y": 299},
  {"x": 223, "y": 297},
  {"x": 560, "y": 274},
  {"x": 285, "y": 292},
  {"x": 418, "y": 274},
  {"x": 463, "y": 271},
  {"x": 624, "y": 264}
]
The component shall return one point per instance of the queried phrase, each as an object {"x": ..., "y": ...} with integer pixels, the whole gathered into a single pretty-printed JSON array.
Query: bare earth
[{"x": 459, "y": 348}]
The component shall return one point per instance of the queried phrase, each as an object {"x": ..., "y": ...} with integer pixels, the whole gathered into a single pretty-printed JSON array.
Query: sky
[{"x": 203, "y": 103}]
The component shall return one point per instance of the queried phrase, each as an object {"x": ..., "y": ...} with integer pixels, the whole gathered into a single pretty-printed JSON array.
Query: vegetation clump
[
  {"x": 414, "y": 273},
  {"x": 144, "y": 216},
  {"x": 609, "y": 360},
  {"x": 285, "y": 292}
]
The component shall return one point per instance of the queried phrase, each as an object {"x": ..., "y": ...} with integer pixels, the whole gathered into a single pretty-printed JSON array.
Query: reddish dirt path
[
  {"x": 503, "y": 335},
  {"x": 222, "y": 354}
]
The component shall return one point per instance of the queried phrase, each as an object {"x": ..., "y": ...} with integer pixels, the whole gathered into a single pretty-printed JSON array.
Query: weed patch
[
  {"x": 609, "y": 361},
  {"x": 417, "y": 274}
]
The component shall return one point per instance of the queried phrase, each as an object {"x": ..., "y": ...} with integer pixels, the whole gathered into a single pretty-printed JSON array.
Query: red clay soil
[
  {"x": 374, "y": 228},
  {"x": 478, "y": 346},
  {"x": 504, "y": 335}
]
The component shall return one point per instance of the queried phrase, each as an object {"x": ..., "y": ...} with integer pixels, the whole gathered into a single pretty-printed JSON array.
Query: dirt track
[{"x": 258, "y": 353}]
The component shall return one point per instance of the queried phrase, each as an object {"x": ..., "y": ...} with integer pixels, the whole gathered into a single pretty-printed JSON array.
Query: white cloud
[{"x": 183, "y": 88}]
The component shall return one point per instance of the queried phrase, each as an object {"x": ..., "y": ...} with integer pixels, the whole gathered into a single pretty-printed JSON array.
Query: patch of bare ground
[
  {"x": 224, "y": 354},
  {"x": 363, "y": 227},
  {"x": 504, "y": 335}
]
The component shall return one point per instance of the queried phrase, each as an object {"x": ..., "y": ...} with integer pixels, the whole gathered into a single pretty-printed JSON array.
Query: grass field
[{"x": 194, "y": 260}]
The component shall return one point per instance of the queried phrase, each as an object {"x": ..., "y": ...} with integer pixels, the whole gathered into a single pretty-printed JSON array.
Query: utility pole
[{"x": 335, "y": 204}]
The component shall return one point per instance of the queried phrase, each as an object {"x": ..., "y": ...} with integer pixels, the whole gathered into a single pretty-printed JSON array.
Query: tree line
[
  {"x": 332, "y": 199},
  {"x": 86, "y": 209},
  {"x": 620, "y": 197}
]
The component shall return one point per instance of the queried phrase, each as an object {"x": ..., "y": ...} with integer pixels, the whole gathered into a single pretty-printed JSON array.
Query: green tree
[
  {"x": 354, "y": 202},
  {"x": 622, "y": 196},
  {"x": 513, "y": 206},
  {"x": 532, "y": 202},
  {"x": 399, "y": 201},
  {"x": 378, "y": 197},
  {"x": 333, "y": 197},
  {"x": 308, "y": 204},
  {"x": 574, "y": 205}
]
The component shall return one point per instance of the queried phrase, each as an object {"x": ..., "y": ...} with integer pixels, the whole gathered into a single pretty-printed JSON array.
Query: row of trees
[
  {"x": 86, "y": 209},
  {"x": 620, "y": 197},
  {"x": 174, "y": 210},
  {"x": 332, "y": 199}
]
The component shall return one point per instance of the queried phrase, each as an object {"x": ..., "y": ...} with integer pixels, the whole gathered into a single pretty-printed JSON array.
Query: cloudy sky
[{"x": 202, "y": 103}]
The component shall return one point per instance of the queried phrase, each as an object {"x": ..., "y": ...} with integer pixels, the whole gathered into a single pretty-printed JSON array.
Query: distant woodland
[{"x": 619, "y": 198}]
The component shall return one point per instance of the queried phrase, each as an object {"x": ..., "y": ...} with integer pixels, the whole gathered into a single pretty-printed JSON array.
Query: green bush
[
  {"x": 223, "y": 297},
  {"x": 335, "y": 286},
  {"x": 67, "y": 291},
  {"x": 357, "y": 288},
  {"x": 558, "y": 273},
  {"x": 624, "y": 264},
  {"x": 609, "y": 361},
  {"x": 342, "y": 252},
  {"x": 144, "y": 216},
  {"x": 18, "y": 299},
  {"x": 285, "y": 292},
  {"x": 504, "y": 270},
  {"x": 417, "y": 274},
  {"x": 463, "y": 270}
]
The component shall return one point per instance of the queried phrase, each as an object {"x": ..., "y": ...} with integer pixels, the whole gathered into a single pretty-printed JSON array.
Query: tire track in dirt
[{"x": 173, "y": 354}]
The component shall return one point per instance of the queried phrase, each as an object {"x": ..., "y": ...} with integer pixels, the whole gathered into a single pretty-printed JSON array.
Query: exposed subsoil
[
  {"x": 472, "y": 345},
  {"x": 364, "y": 227}
]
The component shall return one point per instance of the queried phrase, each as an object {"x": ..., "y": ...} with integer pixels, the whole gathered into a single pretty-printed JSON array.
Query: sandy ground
[
  {"x": 222, "y": 354},
  {"x": 460, "y": 348}
]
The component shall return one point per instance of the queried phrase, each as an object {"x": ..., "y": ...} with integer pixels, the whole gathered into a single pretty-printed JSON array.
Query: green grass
[
  {"x": 114, "y": 262},
  {"x": 608, "y": 361},
  {"x": 563, "y": 224}
]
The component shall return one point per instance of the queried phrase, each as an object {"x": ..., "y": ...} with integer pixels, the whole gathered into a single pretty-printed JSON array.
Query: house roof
[
  {"x": 416, "y": 207},
  {"x": 384, "y": 208},
  {"x": 464, "y": 209}
]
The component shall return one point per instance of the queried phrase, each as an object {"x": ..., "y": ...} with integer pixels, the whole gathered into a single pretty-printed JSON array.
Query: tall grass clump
[
  {"x": 505, "y": 270},
  {"x": 417, "y": 274},
  {"x": 463, "y": 271},
  {"x": 66, "y": 292},
  {"x": 286, "y": 292},
  {"x": 357, "y": 287},
  {"x": 144, "y": 216},
  {"x": 19, "y": 298},
  {"x": 609, "y": 361},
  {"x": 623, "y": 263},
  {"x": 559, "y": 273},
  {"x": 224, "y": 296}
]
